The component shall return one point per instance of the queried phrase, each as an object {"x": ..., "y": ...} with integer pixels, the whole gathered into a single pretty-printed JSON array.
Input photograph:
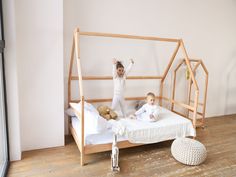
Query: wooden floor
[{"x": 219, "y": 137}]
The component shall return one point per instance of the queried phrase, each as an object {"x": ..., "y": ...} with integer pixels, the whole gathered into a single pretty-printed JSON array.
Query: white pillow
[
  {"x": 93, "y": 122},
  {"x": 87, "y": 106}
]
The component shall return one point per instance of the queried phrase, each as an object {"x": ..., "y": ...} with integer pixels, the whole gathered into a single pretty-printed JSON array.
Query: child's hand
[
  {"x": 131, "y": 61},
  {"x": 114, "y": 61}
]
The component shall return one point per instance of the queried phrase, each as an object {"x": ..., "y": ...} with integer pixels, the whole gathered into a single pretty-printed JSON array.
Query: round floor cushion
[{"x": 188, "y": 151}]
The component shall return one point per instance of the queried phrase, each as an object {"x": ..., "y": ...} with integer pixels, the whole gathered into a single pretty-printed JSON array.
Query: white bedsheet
[{"x": 169, "y": 126}]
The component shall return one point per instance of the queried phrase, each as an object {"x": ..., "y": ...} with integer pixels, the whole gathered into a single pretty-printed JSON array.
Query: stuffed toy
[{"x": 106, "y": 112}]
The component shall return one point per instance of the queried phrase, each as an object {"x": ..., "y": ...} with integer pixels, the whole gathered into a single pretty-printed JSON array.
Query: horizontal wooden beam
[
  {"x": 90, "y": 149},
  {"x": 110, "y": 77},
  {"x": 194, "y": 60},
  {"x": 200, "y": 104},
  {"x": 110, "y": 99},
  {"x": 127, "y": 36},
  {"x": 180, "y": 114},
  {"x": 199, "y": 113},
  {"x": 179, "y": 103}
]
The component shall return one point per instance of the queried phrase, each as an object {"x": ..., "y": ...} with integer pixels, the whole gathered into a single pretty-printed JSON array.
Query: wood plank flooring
[{"x": 219, "y": 137}]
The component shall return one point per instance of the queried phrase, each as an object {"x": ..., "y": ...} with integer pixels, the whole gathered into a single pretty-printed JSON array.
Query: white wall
[
  {"x": 207, "y": 28},
  {"x": 37, "y": 32},
  {"x": 40, "y": 62}
]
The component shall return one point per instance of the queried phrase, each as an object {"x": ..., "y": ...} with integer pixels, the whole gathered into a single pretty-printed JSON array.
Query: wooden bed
[{"x": 192, "y": 105}]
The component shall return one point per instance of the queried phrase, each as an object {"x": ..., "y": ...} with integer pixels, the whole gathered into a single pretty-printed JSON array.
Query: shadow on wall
[{"x": 230, "y": 86}]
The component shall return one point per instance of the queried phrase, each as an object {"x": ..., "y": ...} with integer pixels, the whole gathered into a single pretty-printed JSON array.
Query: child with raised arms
[{"x": 119, "y": 77}]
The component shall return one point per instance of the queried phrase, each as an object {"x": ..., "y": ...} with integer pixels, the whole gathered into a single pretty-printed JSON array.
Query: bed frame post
[
  {"x": 189, "y": 94},
  {"x": 205, "y": 93},
  {"x": 77, "y": 52},
  {"x": 174, "y": 84},
  {"x": 173, "y": 92},
  {"x": 190, "y": 85},
  {"x": 70, "y": 70},
  {"x": 82, "y": 154},
  {"x": 195, "y": 109}
]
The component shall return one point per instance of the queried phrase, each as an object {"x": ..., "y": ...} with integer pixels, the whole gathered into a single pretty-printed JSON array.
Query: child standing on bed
[
  {"x": 148, "y": 112},
  {"x": 119, "y": 77}
]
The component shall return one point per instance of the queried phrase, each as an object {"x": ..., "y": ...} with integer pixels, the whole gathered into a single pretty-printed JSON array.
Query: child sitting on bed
[
  {"x": 119, "y": 78},
  {"x": 148, "y": 112}
]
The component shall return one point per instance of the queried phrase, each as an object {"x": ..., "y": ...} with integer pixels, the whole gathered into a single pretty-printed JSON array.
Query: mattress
[{"x": 169, "y": 126}]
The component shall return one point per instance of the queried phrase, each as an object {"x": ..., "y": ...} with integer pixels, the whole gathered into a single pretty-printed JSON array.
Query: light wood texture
[
  {"x": 128, "y": 36},
  {"x": 171, "y": 61},
  {"x": 179, "y": 103},
  {"x": 153, "y": 160},
  {"x": 90, "y": 149},
  {"x": 189, "y": 66},
  {"x": 70, "y": 70},
  {"x": 167, "y": 70},
  {"x": 82, "y": 147},
  {"x": 110, "y": 99},
  {"x": 161, "y": 93},
  {"x": 195, "y": 108},
  {"x": 77, "y": 53},
  {"x": 110, "y": 77}
]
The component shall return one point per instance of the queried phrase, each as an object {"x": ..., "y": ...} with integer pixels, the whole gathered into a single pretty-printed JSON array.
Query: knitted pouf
[{"x": 188, "y": 151}]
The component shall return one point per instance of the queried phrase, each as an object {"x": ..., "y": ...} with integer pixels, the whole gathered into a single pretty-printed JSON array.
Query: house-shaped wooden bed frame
[{"x": 75, "y": 53}]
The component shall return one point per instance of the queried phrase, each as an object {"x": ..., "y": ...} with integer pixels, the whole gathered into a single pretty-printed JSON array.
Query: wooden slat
[
  {"x": 196, "y": 66},
  {"x": 76, "y": 138},
  {"x": 189, "y": 66},
  {"x": 167, "y": 70},
  {"x": 180, "y": 114},
  {"x": 173, "y": 89},
  {"x": 110, "y": 77},
  {"x": 82, "y": 153},
  {"x": 200, "y": 104},
  {"x": 194, "y": 60},
  {"x": 195, "y": 108},
  {"x": 199, "y": 113},
  {"x": 110, "y": 99},
  {"x": 161, "y": 93},
  {"x": 128, "y": 36},
  {"x": 179, "y": 103},
  {"x": 70, "y": 69},
  {"x": 204, "y": 67},
  {"x": 180, "y": 64},
  {"x": 77, "y": 52},
  {"x": 171, "y": 61},
  {"x": 90, "y": 149}
]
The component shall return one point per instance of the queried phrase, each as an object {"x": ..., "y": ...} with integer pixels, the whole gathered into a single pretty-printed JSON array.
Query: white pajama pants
[{"x": 119, "y": 101}]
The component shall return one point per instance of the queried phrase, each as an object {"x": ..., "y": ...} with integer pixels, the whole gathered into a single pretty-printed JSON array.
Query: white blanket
[{"x": 168, "y": 126}]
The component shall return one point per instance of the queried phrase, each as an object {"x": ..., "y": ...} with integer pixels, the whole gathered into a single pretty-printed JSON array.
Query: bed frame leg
[{"x": 82, "y": 159}]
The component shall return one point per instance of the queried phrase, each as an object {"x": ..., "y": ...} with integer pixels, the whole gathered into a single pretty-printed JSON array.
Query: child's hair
[
  {"x": 151, "y": 94},
  {"x": 119, "y": 65}
]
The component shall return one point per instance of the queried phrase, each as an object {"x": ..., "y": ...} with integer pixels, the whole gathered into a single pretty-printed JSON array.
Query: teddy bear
[{"x": 106, "y": 112}]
